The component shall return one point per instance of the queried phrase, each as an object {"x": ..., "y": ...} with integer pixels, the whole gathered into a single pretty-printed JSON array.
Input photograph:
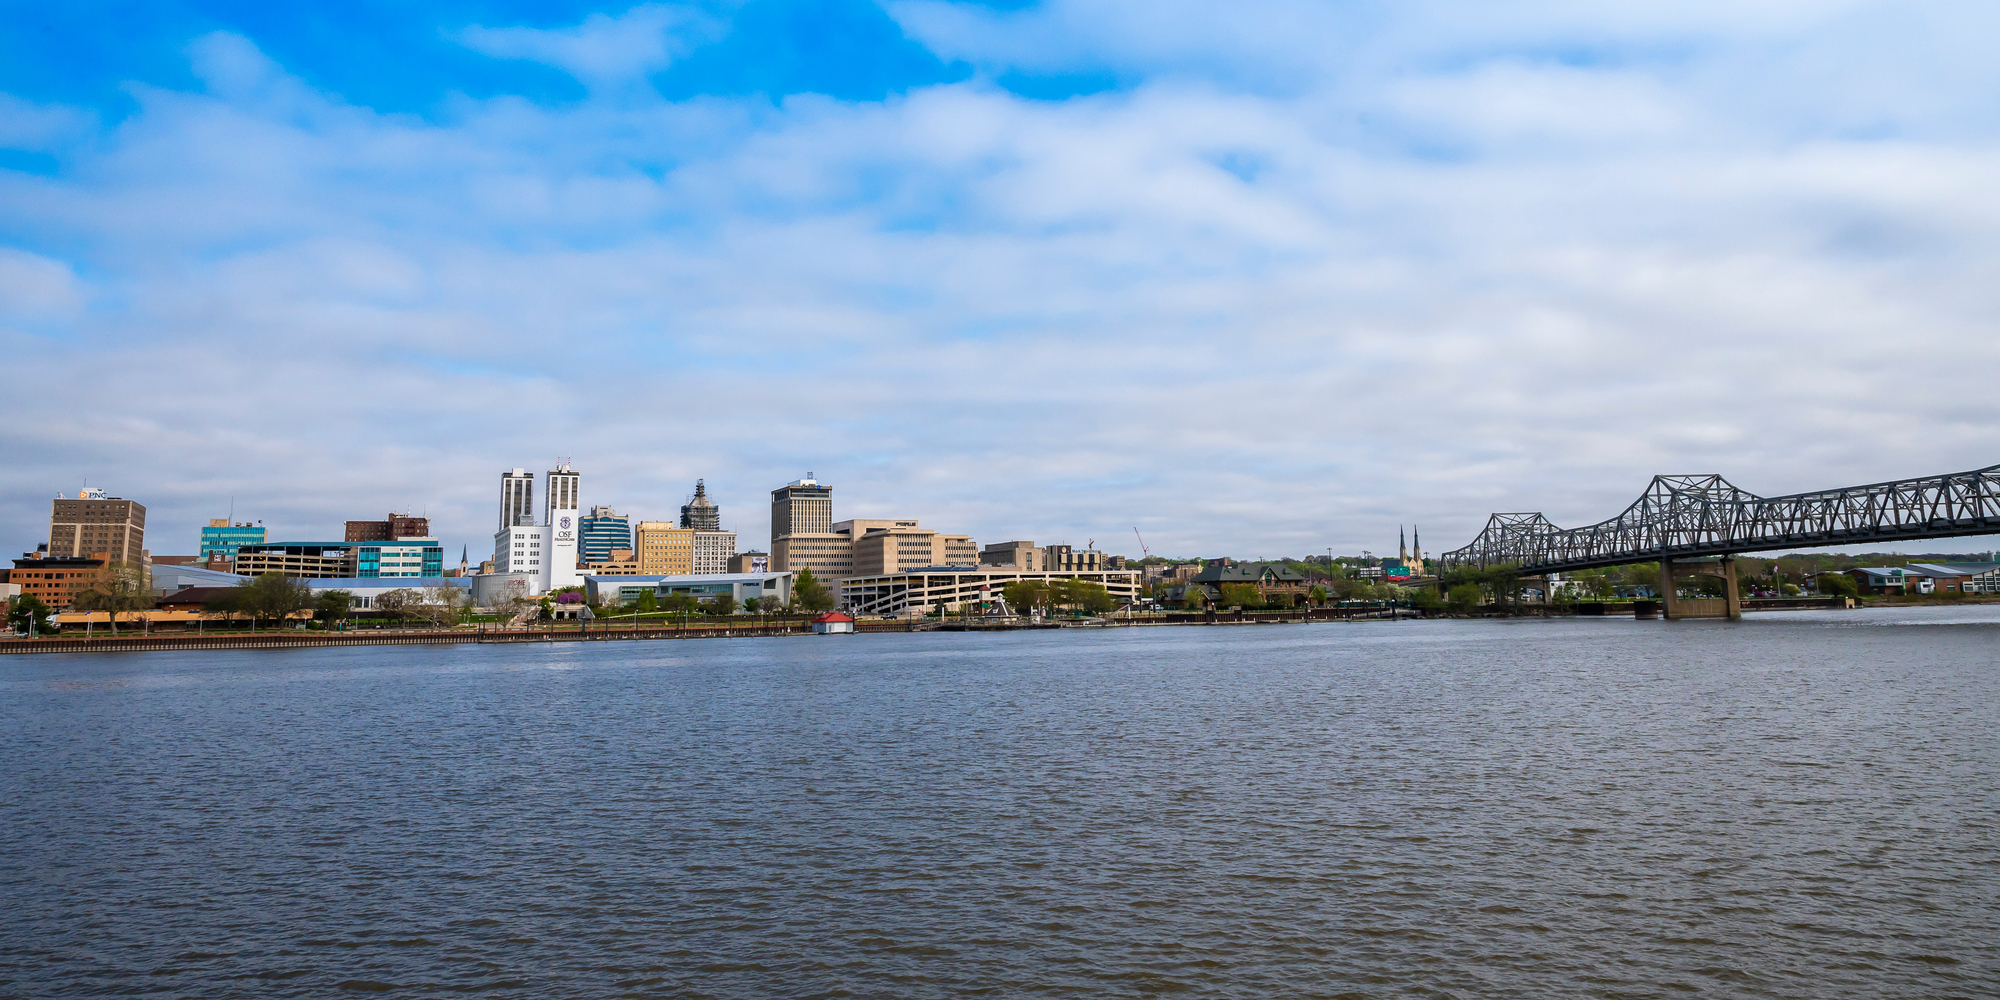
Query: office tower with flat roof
[
  {"x": 604, "y": 530},
  {"x": 663, "y": 549},
  {"x": 221, "y": 539},
  {"x": 90, "y": 523},
  {"x": 713, "y": 550},
  {"x": 699, "y": 513},
  {"x": 801, "y": 508},
  {"x": 517, "y": 498},
  {"x": 559, "y": 567},
  {"x": 389, "y": 529}
]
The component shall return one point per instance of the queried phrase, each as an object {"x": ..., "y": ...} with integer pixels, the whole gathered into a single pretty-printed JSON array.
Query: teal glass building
[
  {"x": 604, "y": 529},
  {"x": 221, "y": 536}
]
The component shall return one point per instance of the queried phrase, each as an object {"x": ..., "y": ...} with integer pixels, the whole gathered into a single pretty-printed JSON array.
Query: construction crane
[{"x": 1148, "y": 553}]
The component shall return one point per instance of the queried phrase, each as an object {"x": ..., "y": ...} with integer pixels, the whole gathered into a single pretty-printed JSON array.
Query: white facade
[
  {"x": 564, "y": 527},
  {"x": 713, "y": 550},
  {"x": 519, "y": 549}
]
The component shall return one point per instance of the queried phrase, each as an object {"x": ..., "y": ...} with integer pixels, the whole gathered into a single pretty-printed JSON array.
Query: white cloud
[
  {"x": 1448, "y": 267},
  {"x": 603, "y": 52}
]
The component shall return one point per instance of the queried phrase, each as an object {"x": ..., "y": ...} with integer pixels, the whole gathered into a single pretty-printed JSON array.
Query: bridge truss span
[{"x": 1683, "y": 517}]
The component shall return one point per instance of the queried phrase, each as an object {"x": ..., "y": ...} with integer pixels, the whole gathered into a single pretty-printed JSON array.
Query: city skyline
[{"x": 1018, "y": 272}]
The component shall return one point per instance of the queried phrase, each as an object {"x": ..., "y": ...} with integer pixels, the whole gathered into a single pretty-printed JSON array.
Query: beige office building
[
  {"x": 713, "y": 550},
  {"x": 829, "y": 555},
  {"x": 894, "y": 547},
  {"x": 1012, "y": 555},
  {"x": 801, "y": 508},
  {"x": 663, "y": 548},
  {"x": 92, "y": 524}
]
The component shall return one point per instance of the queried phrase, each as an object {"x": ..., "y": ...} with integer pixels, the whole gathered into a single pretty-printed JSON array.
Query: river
[{"x": 1796, "y": 805}]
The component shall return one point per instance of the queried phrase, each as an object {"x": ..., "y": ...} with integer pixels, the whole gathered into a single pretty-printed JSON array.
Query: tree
[
  {"x": 1317, "y": 595},
  {"x": 722, "y": 604},
  {"x": 398, "y": 604},
  {"x": 271, "y": 595},
  {"x": 121, "y": 590},
  {"x": 334, "y": 605},
  {"x": 1024, "y": 594},
  {"x": 441, "y": 605},
  {"x": 649, "y": 601},
  {"x": 28, "y": 614},
  {"x": 1240, "y": 595},
  {"x": 1465, "y": 597},
  {"x": 1094, "y": 599},
  {"x": 1838, "y": 585},
  {"x": 753, "y": 604},
  {"x": 810, "y": 593}
]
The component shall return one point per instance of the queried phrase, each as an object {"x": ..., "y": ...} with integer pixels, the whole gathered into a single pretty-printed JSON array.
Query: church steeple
[{"x": 1402, "y": 546}]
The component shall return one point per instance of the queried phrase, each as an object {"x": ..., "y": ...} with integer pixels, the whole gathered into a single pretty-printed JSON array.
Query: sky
[{"x": 1255, "y": 278}]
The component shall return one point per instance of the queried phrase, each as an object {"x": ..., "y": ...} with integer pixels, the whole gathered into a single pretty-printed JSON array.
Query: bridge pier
[
  {"x": 1670, "y": 601},
  {"x": 1732, "y": 598}
]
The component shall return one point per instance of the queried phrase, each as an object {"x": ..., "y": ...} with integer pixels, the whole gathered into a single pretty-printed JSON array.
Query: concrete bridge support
[{"x": 1672, "y": 606}]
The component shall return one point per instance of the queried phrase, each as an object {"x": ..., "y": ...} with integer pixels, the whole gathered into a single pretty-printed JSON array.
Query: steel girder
[{"x": 1690, "y": 516}]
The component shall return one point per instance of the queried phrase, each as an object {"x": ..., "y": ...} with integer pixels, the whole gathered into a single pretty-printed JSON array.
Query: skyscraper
[
  {"x": 559, "y": 558},
  {"x": 517, "y": 498},
  {"x": 604, "y": 529},
  {"x": 93, "y": 522},
  {"x": 801, "y": 508},
  {"x": 699, "y": 513}
]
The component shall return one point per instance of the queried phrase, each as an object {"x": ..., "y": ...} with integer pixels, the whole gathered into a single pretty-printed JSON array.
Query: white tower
[
  {"x": 517, "y": 546},
  {"x": 564, "y": 528}
]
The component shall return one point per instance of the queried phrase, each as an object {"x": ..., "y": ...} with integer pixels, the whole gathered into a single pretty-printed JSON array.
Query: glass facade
[
  {"x": 604, "y": 529},
  {"x": 227, "y": 538},
  {"x": 408, "y": 557}
]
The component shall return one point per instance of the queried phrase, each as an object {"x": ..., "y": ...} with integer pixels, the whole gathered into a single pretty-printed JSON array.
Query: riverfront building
[
  {"x": 911, "y": 593},
  {"x": 91, "y": 522},
  {"x": 548, "y": 549},
  {"x": 389, "y": 529},
  {"x": 221, "y": 539},
  {"x": 775, "y": 588},
  {"x": 604, "y": 531},
  {"x": 298, "y": 560},
  {"x": 663, "y": 549},
  {"x": 404, "y": 557}
]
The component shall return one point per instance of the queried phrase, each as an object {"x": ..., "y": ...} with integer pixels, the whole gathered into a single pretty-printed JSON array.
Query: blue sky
[{"x": 1263, "y": 277}]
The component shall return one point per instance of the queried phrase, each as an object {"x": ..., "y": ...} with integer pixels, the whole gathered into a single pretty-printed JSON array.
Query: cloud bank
[{"x": 1257, "y": 278}]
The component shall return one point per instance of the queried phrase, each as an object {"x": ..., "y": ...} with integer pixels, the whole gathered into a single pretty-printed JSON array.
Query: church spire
[{"x": 1402, "y": 545}]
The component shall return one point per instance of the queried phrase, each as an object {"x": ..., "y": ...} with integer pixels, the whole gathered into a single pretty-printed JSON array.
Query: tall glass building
[{"x": 604, "y": 529}]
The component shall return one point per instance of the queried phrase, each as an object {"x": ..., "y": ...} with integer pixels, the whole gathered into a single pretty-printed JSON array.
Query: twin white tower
[{"x": 546, "y": 549}]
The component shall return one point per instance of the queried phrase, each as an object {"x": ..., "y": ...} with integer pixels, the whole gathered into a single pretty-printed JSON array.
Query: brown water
[{"x": 1799, "y": 806}]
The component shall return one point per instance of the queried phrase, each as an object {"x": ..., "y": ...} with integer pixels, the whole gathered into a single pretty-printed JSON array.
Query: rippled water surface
[{"x": 1797, "y": 806}]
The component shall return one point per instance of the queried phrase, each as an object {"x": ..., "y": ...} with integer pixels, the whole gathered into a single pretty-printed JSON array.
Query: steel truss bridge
[{"x": 1689, "y": 517}]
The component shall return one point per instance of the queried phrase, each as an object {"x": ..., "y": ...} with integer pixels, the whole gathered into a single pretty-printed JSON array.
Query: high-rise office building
[
  {"x": 517, "y": 498},
  {"x": 604, "y": 529},
  {"x": 713, "y": 550},
  {"x": 565, "y": 514},
  {"x": 699, "y": 513},
  {"x": 222, "y": 538},
  {"x": 801, "y": 508},
  {"x": 91, "y": 523},
  {"x": 663, "y": 549}
]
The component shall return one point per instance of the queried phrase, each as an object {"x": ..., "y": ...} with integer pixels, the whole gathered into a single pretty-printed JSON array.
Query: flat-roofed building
[
  {"x": 896, "y": 546},
  {"x": 895, "y": 595},
  {"x": 803, "y": 507},
  {"x": 56, "y": 580},
  {"x": 1011, "y": 555},
  {"x": 619, "y": 591},
  {"x": 829, "y": 555},
  {"x": 604, "y": 531},
  {"x": 220, "y": 540},
  {"x": 1065, "y": 559},
  {"x": 389, "y": 529},
  {"x": 750, "y": 562},
  {"x": 91, "y": 522},
  {"x": 713, "y": 550},
  {"x": 298, "y": 560},
  {"x": 663, "y": 548},
  {"x": 404, "y": 557}
]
